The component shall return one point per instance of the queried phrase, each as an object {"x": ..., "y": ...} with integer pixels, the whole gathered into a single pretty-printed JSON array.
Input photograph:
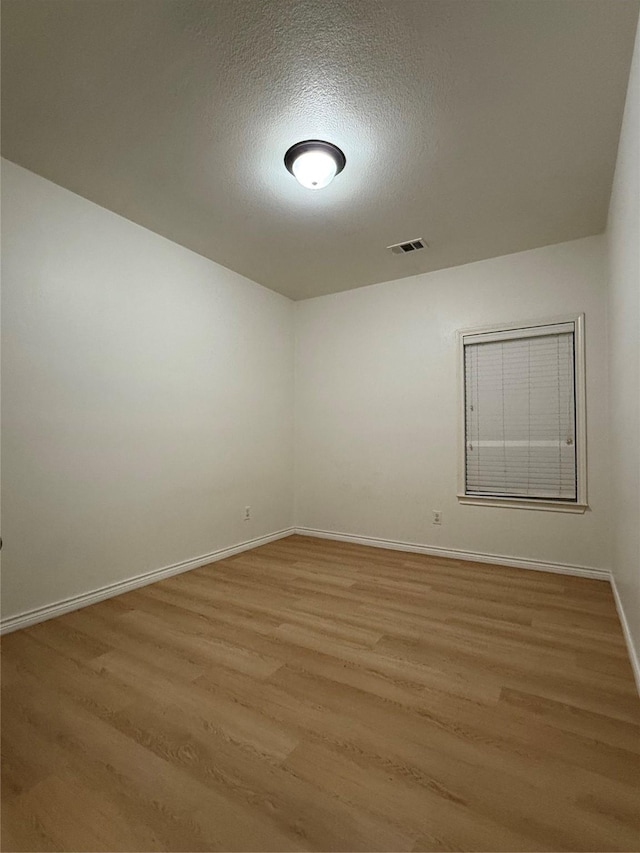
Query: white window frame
[{"x": 514, "y": 331}]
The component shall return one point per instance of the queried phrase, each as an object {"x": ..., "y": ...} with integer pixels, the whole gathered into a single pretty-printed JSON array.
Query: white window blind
[{"x": 520, "y": 415}]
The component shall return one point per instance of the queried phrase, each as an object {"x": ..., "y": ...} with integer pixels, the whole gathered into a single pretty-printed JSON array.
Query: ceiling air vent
[{"x": 408, "y": 246}]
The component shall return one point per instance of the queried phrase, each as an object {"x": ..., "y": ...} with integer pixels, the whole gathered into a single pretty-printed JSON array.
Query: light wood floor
[{"x": 312, "y": 695}]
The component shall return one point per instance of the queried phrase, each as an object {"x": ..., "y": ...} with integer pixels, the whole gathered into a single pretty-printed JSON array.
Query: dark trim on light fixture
[{"x": 314, "y": 145}]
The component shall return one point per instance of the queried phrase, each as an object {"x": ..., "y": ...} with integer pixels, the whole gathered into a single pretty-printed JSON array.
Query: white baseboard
[
  {"x": 49, "y": 611},
  {"x": 451, "y": 554},
  {"x": 633, "y": 655}
]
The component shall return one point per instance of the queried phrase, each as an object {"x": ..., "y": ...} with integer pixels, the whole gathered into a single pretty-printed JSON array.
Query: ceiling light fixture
[{"x": 314, "y": 163}]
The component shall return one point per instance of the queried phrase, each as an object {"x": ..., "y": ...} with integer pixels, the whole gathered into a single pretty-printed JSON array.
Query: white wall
[
  {"x": 147, "y": 398},
  {"x": 623, "y": 237},
  {"x": 376, "y": 405}
]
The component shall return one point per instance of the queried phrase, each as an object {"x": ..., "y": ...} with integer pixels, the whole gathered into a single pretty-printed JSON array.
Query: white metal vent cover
[{"x": 407, "y": 246}]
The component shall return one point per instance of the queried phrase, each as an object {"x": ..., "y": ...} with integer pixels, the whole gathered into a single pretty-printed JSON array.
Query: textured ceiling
[{"x": 484, "y": 126}]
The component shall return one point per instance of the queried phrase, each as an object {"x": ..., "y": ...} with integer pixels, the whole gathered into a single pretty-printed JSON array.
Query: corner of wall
[{"x": 623, "y": 349}]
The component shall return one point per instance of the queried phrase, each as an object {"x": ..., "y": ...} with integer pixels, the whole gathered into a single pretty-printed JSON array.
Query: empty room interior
[{"x": 320, "y": 425}]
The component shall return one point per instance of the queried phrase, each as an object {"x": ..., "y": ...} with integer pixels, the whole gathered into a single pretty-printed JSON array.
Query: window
[{"x": 523, "y": 416}]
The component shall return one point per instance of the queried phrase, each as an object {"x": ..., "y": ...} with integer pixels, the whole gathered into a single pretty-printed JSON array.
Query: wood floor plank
[
  {"x": 151, "y": 790},
  {"x": 298, "y": 807},
  {"x": 317, "y": 695}
]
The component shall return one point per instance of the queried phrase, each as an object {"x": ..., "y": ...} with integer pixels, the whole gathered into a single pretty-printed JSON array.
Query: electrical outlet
[
  {"x": 247, "y": 513},
  {"x": 437, "y": 517}
]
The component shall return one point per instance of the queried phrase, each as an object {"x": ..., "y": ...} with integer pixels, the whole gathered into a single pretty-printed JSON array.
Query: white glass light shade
[
  {"x": 314, "y": 169},
  {"x": 314, "y": 163}
]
